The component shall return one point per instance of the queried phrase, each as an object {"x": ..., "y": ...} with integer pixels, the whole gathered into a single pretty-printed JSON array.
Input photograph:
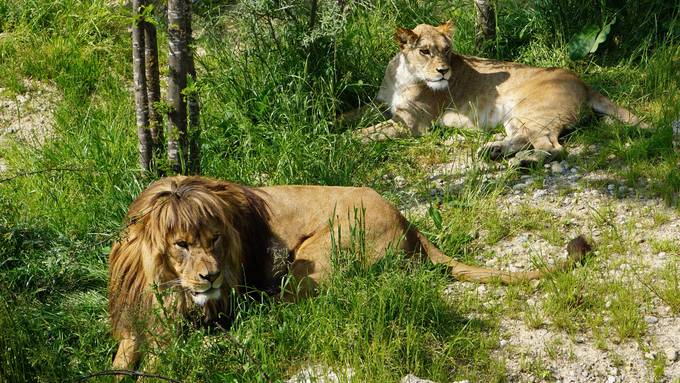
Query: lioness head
[
  {"x": 194, "y": 243},
  {"x": 426, "y": 51}
]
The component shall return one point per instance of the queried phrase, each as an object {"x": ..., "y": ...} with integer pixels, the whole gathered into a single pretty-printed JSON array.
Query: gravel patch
[
  {"x": 597, "y": 204},
  {"x": 26, "y": 118}
]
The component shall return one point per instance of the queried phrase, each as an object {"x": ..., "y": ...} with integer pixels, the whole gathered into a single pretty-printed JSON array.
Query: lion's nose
[
  {"x": 210, "y": 277},
  {"x": 443, "y": 70}
]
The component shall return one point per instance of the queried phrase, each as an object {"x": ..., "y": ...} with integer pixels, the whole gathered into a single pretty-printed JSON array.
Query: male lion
[
  {"x": 193, "y": 241},
  {"x": 427, "y": 81}
]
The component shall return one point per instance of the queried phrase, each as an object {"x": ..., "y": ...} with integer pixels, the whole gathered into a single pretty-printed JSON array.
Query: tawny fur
[
  {"x": 188, "y": 234},
  {"x": 427, "y": 82}
]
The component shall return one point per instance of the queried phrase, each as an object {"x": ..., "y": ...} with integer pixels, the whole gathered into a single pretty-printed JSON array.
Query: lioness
[
  {"x": 192, "y": 241},
  {"x": 426, "y": 81}
]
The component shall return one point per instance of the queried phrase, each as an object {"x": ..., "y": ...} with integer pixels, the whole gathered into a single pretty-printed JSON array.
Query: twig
[
  {"x": 137, "y": 374},
  {"x": 2, "y": 180},
  {"x": 243, "y": 348}
]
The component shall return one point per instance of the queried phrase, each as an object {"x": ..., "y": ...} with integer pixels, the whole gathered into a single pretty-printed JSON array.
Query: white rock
[
  {"x": 671, "y": 355},
  {"x": 410, "y": 378},
  {"x": 651, "y": 319},
  {"x": 322, "y": 374},
  {"x": 399, "y": 181},
  {"x": 611, "y": 379}
]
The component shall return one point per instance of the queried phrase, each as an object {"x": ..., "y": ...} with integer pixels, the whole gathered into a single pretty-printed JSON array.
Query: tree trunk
[
  {"x": 177, "y": 81},
  {"x": 486, "y": 23},
  {"x": 313, "y": 10},
  {"x": 153, "y": 87},
  {"x": 141, "y": 101},
  {"x": 194, "y": 107}
]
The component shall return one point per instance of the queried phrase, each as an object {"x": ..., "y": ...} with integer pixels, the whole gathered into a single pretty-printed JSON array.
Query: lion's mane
[{"x": 139, "y": 260}]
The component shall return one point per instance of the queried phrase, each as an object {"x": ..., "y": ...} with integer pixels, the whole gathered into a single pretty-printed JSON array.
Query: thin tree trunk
[
  {"x": 486, "y": 22},
  {"x": 177, "y": 81},
  {"x": 153, "y": 87},
  {"x": 141, "y": 101},
  {"x": 194, "y": 107},
  {"x": 313, "y": 9}
]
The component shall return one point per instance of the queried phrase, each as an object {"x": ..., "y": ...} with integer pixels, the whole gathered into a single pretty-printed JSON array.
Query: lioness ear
[
  {"x": 446, "y": 28},
  {"x": 405, "y": 36}
]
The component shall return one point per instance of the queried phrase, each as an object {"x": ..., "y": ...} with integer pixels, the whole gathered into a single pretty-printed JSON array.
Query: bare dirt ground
[
  {"x": 599, "y": 206},
  {"x": 27, "y": 117}
]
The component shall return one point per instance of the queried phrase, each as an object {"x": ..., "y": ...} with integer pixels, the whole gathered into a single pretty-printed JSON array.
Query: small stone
[
  {"x": 574, "y": 170},
  {"x": 556, "y": 167},
  {"x": 662, "y": 254},
  {"x": 651, "y": 319},
  {"x": 611, "y": 379},
  {"x": 399, "y": 181},
  {"x": 611, "y": 187},
  {"x": 519, "y": 186},
  {"x": 481, "y": 289},
  {"x": 671, "y": 355},
  {"x": 650, "y": 355},
  {"x": 539, "y": 193},
  {"x": 410, "y": 378},
  {"x": 579, "y": 339},
  {"x": 503, "y": 343}
]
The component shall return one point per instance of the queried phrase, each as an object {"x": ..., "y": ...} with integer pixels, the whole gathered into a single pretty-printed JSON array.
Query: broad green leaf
[{"x": 588, "y": 40}]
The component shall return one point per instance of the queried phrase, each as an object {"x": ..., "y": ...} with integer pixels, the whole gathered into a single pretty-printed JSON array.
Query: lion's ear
[
  {"x": 446, "y": 28},
  {"x": 405, "y": 37}
]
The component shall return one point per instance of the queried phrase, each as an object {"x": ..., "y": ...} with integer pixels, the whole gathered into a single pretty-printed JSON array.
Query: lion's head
[
  {"x": 185, "y": 239},
  {"x": 426, "y": 51}
]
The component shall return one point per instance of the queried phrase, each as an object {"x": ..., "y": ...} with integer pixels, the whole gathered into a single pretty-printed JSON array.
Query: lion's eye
[
  {"x": 215, "y": 239},
  {"x": 425, "y": 52},
  {"x": 182, "y": 244}
]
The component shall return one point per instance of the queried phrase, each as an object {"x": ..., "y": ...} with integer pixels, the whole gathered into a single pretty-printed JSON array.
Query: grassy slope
[{"x": 269, "y": 100}]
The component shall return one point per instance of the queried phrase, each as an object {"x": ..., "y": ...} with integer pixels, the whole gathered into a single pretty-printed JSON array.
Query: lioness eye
[
  {"x": 425, "y": 52},
  {"x": 182, "y": 244}
]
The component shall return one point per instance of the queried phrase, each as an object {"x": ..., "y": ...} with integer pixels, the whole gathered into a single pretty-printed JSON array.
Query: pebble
[
  {"x": 539, "y": 193},
  {"x": 399, "y": 181},
  {"x": 555, "y": 167},
  {"x": 410, "y": 378},
  {"x": 651, "y": 319},
  {"x": 671, "y": 355},
  {"x": 503, "y": 342},
  {"x": 611, "y": 379}
]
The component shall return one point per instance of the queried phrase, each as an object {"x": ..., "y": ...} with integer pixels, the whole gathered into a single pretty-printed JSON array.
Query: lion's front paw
[{"x": 492, "y": 150}]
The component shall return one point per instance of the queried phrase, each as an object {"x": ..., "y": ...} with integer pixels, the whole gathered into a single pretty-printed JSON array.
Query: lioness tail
[{"x": 602, "y": 104}]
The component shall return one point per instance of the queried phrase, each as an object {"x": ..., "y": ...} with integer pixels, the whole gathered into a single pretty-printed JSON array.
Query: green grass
[{"x": 271, "y": 91}]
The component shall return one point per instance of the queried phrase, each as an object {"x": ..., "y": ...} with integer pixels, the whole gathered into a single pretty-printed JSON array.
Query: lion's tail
[
  {"x": 576, "y": 249},
  {"x": 603, "y": 105}
]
